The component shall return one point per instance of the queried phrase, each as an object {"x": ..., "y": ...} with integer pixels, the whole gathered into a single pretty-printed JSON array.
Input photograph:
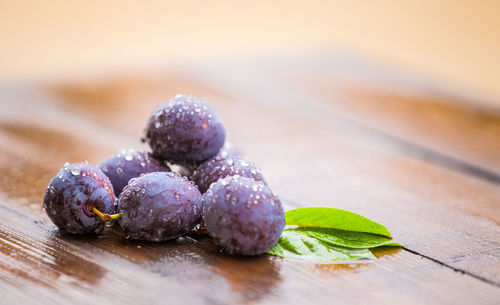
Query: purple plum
[
  {"x": 184, "y": 129},
  {"x": 128, "y": 164},
  {"x": 243, "y": 215},
  {"x": 159, "y": 206},
  {"x": 222, "y": 166},
  {"x": 72, "y": 191}
]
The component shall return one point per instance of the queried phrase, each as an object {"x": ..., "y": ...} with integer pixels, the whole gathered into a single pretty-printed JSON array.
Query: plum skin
[
  {"x": 221, "y": 166},
  {"x": 243, "y": 215},
  {"x": 184, "y": 129},
  {"x": 70, "y": 193},
  {"x": 187, "y": 169},
  {"x": 159, "y": 206},
  {"x": 128, "y": 164}
]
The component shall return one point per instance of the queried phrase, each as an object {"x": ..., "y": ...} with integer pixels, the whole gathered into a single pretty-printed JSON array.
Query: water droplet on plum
[{"x": 75, "y": 171}]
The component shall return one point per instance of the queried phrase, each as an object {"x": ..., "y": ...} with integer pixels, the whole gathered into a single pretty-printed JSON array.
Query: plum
[
  {"x": 159, "y": 206},
  {"x": 243, "y": 215},
  {"x": 71, "y": 194},
  {"x": 128, "y": 164},
  {"x": 222, "y": 166},
  {"x": 187, "y": 169},
  {"x": 184, "y": 129}
]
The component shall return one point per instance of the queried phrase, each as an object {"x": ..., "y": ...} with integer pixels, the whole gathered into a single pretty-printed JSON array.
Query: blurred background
[{"x": 456, "y": 42}]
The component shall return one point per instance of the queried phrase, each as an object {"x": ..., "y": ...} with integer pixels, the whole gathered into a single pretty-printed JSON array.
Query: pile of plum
[{"x": 214, "y": 186}]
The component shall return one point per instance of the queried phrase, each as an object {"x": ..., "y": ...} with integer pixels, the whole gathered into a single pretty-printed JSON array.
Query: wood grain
[
  {"x": 435, "y": 121},
  {"x": 112, "y": 269},
  {"x": 414, "y": 113},
  {"x": 448, "y": 219}
]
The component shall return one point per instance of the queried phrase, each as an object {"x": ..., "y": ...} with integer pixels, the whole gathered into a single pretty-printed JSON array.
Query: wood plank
[
  {"x": 396, "y": 106},
  {"x": 372, "y": 179},
  {"x": 461, "y": 131},
  {"x": 88, "y": 269}
]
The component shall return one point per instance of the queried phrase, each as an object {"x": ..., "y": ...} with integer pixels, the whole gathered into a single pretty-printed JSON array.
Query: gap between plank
[
  {"x": 404, "y": 146},
  {"x": 294, "y": 204},
  {"x": 477, "y": 277},
  {"x": 437, "y": 158}
]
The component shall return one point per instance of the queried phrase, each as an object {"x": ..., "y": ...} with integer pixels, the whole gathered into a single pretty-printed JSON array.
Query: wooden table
[{"x": 419, "y": 157}]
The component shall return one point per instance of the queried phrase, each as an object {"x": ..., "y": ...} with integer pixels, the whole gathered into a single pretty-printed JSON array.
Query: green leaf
[
  {"x": 298, "y": 245},
  {"x": 348, "y": 239},
  {"x": 319, "y": 217}
]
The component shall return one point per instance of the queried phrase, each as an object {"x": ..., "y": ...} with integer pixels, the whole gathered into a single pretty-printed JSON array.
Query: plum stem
[{"x": 105, "y": 217}]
